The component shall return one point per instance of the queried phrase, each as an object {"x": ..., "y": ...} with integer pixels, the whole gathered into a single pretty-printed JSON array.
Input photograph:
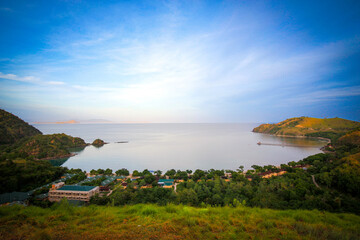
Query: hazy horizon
[{"x": 180, "y": 61}]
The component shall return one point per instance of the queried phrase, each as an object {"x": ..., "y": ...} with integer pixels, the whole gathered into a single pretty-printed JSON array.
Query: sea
[{"x": 164, "y": 146}]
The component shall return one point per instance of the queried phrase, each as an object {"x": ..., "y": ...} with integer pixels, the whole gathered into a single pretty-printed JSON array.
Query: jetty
[{"x": 285, "y": 145}]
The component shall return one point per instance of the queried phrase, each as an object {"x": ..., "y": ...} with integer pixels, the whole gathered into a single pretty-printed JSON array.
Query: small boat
[{"x": 259, "y": 143}]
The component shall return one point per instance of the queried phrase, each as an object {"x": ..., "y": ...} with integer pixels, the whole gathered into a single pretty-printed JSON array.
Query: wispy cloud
[
  {"x": 28, "y": 79},
  {"x": 177, "y": 62}
]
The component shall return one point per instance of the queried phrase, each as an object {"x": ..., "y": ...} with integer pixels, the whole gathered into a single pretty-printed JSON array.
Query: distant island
[
  {"x": 329, "y": 128},
  {"x": 98, "y": 143},
  {"x": 63, "y": 122}
]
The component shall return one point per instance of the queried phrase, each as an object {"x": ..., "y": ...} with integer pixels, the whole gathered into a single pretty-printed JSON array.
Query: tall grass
[{"x": 146, "y": 221}]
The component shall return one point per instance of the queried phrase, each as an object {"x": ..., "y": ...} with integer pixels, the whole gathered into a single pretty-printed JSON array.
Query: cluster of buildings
[
  {"x": 84, "y": 193},
  {"x": 81, "y": 193}
]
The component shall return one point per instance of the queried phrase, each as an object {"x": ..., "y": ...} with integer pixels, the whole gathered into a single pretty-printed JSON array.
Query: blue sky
[{"x": 180, "y": 61}]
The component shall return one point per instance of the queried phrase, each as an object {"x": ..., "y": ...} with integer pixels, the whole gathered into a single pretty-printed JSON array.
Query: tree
[
  {"x": 149, "y": 178},
  {"x": 241, "y": 169},
  {"x": 188, "y": 196},
  {"x": 122, "y": 172},
  {"x": 198, "y": 174},
  {"x": 136, "y": 173},
  {"x": 181, "y": 175},
  {"x": 108, "y": 171},
  {"x": 170, "y": 173},
  {"x": 145, "y": 172}
]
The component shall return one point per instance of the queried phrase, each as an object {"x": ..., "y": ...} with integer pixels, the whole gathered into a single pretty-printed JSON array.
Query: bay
[{"x": 180, "y": 146}]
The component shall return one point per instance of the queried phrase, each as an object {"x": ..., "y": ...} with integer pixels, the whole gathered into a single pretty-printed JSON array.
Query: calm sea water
[{"x": 179, "y": 146}]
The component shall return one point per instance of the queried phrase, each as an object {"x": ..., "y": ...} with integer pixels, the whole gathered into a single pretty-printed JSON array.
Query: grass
[{"x": 145, "y": 221}]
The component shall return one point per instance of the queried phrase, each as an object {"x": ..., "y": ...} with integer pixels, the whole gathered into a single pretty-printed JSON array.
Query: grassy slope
[
  {"x": 352, "y": 138},
  {"x": 173, "y": 222},
  {"x": 305, "y": 126},
  {"x": 13, "y": 128}
]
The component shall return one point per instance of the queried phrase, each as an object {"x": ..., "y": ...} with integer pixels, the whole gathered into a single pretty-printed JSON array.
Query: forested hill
[
  {"x": 331, "y": 128},
  {"x": 24, "y": 151},
  {"x": 13, "y": 128}
]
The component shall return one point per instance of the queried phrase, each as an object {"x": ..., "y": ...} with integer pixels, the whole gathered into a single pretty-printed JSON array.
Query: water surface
[{"x": 179, "y": 146}]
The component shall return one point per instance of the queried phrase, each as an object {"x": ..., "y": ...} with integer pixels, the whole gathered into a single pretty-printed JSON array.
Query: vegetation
[
  {"x": 75, "y": 179},
  {"x": 331, "y": 128},
  {"x": 334, "y": 188},
  {"x": 327, "y": 181},
  {"x": 100, "y": 171},
  {"x": 42, "y": 147},
  {"x": 63, "y": 221},
  {"x": 22, "y": 164},
  {"x": 122, "y": 172},
  {"x": 98, "y": 142},
  {"x": 13, "y": 128},
  {"x": 24, "y": 175}
]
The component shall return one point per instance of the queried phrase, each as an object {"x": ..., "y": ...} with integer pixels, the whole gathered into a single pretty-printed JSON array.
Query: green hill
[
  {"x": 49, "y": 146},
  {"x": 173, "y": 222},
  {"x": 331, "y": 128},
  {"x": 13, "y": 128},
  {"x": 23, "y": 149},
  {"x": 352, "y": 138},
  {"x": 98, "y": 143}
]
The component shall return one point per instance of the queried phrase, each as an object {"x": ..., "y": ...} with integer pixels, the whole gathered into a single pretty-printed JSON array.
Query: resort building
[
  {"x": 80, "y": 193},
  {"x": 271, "y": 174},
  {"x": 166, "y": 183}
]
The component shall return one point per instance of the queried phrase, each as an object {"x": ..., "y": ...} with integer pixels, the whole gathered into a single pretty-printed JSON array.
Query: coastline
[
  {"x": 58, "y": 157},
  {"x": 327, "y": 140}
]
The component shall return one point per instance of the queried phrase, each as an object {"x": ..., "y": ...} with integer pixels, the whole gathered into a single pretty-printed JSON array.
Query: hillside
[
  {"x": 98, "y": 143},
  {"x": 173, "y": 222},
  {"x": 21, "y": 149},
  {"x": 13, "y": 128},
  {"x": 43, "y": 146},
  {"x": 352, "y": 138},
  {"x": 331, "y": 128}
]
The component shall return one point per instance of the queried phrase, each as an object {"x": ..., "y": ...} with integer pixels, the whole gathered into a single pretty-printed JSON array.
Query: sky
[{"x": 179, "y": 61}]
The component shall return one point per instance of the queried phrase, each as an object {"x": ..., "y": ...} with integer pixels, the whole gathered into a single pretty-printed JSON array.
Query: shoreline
[
  {"x": 327, "y": 140},
  {"x": 59, "y": 157}
]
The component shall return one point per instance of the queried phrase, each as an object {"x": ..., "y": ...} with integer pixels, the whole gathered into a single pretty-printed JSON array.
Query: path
[{"x": 313, "y": 178}]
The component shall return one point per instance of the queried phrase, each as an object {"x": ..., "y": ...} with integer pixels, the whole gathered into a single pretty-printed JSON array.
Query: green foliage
[
  {"x": 122, "y": 172},
  {"x": 24, "y": 175},
  {"x": 12, "y": 128},
  {"x": 63, "y": 221},
  {"x": 331, "y": 128},
  {"x": 98, "y": 142},
  {"x": 75, "y": 179},
  {"x": 42, "y": 147},
  {"x": 95, "y": 182}
]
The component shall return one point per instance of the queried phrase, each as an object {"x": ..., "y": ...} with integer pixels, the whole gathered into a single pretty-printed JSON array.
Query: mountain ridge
[{"x": 330, "y": 128}]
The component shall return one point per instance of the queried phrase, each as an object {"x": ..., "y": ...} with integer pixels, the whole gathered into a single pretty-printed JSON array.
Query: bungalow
[
  {"x": 166, "y": 183},
  {"x": 270, "y": 174}
]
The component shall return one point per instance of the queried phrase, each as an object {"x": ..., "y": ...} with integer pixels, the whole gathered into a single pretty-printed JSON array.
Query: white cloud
[{"x": 29, "y": 79}]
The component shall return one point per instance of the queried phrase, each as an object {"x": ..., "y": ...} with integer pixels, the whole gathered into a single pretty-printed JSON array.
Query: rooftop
[
  {"x": 166, "y": 180},
  {"x": 76, "y": 188}
]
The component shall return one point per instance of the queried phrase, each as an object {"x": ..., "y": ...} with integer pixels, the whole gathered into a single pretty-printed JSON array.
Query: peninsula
[{"x": 329, "y": 128}]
